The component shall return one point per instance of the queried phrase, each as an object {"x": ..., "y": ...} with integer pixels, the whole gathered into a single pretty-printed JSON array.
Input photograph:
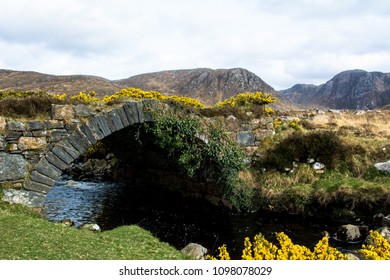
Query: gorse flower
[{"x": 262, "y": 249}]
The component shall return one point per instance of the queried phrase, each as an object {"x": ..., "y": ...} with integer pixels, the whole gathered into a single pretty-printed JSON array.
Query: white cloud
[{"x": 284, "y": 42}]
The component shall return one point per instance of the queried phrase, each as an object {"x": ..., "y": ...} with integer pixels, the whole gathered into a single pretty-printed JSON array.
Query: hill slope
[
  {"x": 209, "y": 86},
  {"x": 352, "y": 89}
]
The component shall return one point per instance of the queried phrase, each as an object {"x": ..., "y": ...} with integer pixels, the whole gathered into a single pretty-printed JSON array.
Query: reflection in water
[{"x": 168, "y": 216}]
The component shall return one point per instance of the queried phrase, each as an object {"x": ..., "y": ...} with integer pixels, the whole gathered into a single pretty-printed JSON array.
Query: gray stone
[
  {"x": 31, "y": 199},
  {"x": 55, "y": 124},
  {"x": 93, "y": 125},
  {"x": 103, "y": 125},
  {"x": 195, "y": 251},
  {"x": 86, "y": 130},
  {"x": 62, "y": 112},
  {"x": 16, "y": 126},
  {"x": 64, "y": 144},
  {"x": 46, "y": 168},
  {"x": 129, "y": 113},
  {"x": 83, "y": 111},
  {"x": 42, "y": 179},
  {"x": 57, "y": 134},
  {"x": 56, "y": 161},
  {"x": 37, "y": 187},
  {"x": 36, "y": 125},
  {"x": 348, "y": 233},
  {"x": 76, "y": 144},
  {"x": 12, "y": 167},
  {"x": 114, "y": 117},
  {"x": 383, "y": 166},
  {"x": 63, "y": 155},
  {"x": 122, "y": 115},
  {"x": 246, "y": 138}
]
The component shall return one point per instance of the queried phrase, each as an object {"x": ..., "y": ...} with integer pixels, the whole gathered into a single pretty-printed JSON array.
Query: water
[{"x": 170, "y": 217}]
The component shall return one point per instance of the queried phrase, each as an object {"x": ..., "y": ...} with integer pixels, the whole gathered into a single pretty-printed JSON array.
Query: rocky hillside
[
  {"x": 209, "y": 86},
  {"x": 353, "y": 89}
]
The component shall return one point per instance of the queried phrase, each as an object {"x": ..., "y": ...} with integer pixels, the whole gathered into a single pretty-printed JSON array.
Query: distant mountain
[
  {"x": 209, "y": 86},
  {"x": 352, "y": 89},
  {"x": 72, "y": 84}
]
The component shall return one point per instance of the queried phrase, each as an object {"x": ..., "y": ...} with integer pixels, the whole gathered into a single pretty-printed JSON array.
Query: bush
[{"x": 323, "y": 146}]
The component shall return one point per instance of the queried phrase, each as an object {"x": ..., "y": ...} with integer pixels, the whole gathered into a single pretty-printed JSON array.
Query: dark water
[{"x": 170, "y": 217}]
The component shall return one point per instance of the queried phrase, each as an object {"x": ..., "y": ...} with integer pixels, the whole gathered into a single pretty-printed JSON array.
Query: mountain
[
  {"x": 352, "y": 89},
  {"x": 72, "y": 84},
  {"x": 209, "y": 86}
]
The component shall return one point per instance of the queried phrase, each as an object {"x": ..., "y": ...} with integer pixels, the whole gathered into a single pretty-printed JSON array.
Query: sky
[{"x": 283, "y": 42}]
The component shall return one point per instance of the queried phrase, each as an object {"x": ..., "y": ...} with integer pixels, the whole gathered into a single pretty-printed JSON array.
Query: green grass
[{"x": 23, "y": 235}]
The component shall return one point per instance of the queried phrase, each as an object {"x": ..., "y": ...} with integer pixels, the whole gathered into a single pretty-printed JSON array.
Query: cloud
[{"x": 284, "y": 42}]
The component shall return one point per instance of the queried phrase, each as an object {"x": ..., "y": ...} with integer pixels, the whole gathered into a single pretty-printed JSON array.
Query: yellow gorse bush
[
  {"x": 89, "y": 98},
  {"x": 135, "y": 93},
  {"x": 262, "y": 249},
  {"x": 380, "y": 250},
  {"x": 248, "y": 98}
]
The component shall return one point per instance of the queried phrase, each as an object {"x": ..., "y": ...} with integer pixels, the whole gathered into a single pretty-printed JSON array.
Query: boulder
[
  {"x": 246, "y": 138},
  {"x": 383, "y": 166},
  {"x": 195, "y": 251},
  {"x": 32, "y": 143},
  {"x": 13, "y": 167},
  {"x": 348, "y": 233}
]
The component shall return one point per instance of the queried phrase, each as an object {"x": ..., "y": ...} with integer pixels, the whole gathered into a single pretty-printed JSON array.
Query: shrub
[{"x": 262, "y": 249}]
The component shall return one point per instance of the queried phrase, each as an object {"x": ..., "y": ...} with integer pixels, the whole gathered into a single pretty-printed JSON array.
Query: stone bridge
[{"x": 34, "y": 154}]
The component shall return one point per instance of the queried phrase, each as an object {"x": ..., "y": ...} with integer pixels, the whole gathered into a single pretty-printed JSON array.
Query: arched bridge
[{"x": 34, "y": 154}]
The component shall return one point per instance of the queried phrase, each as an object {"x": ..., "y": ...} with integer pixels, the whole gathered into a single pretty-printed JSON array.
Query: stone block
[
  {"x": 56, "y": 161},
  {"x": 246, "y": 138},
  {"x": 140, "y": 111},
  {"x": 114, "y": 117},
  {"x": 122, "y": 115},
  {"x": 55, "y": 124},
  {"x": 16, "y": 126},
  {"x": 12, "y": 167},
  {"x": 93, "y": 125},
  {"x": 64, "y": 144},
  {"x": 77, "y": 144},
  {"x": 103, "y": 125},
  {"x": 57, "y": 134},
  {"x": 83, "y": 111},
  {"x": 42, "y": 179},
  {"x": 86, "y": 130},
  {"x": 40, "y": 133},
  {"x": 36, "y": 125},
  {"x": 132, "y": 107},
  {"x": 62, "y": 112},
  {"x": 32, "y": 143},
  {"x": 13, "y": 135},
  {"x": 46, "y": 168},
  {"x": 129, "y": 113},
  {"x": 61, "y": 154},
  {"x": 37, "y": 187}
]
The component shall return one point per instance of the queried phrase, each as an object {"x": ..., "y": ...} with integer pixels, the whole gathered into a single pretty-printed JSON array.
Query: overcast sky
[{"x": 283, "y": 42}]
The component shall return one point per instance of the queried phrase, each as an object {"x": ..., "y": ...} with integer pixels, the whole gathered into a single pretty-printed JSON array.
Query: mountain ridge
[{"x": 350, "y": 89}]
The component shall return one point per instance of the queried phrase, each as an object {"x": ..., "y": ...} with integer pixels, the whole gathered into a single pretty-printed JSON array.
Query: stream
[{"x": 170, "y": 217}]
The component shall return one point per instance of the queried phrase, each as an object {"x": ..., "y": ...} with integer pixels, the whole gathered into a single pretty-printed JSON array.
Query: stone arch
[{"x": 44, "y": 175}]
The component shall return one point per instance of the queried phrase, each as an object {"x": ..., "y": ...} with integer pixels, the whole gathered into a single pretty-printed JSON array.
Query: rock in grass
[
  {"x": 384, "y": 231},
  {"x": 91, "y": 227},
  {"x": 383, "y": 166},
  {"x": 195, "y": 251}
]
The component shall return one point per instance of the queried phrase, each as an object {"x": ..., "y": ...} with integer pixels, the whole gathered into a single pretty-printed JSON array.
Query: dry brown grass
[{"x": 364, "y": 123}]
